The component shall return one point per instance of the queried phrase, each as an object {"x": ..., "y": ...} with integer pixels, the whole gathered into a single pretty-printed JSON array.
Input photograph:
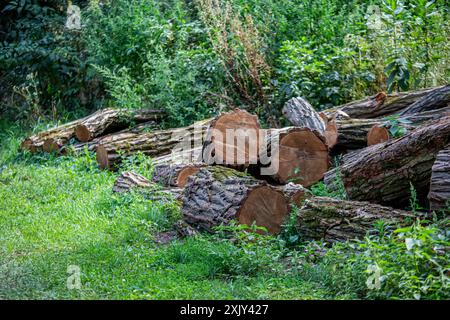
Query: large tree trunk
[
  {"x": 439, "y": 194},
  {"x": 217, "y": 195},
  {"x": 379, "y": 105},
  {"x": 112, "y": 120},
  {"x": 333, "y": 220},
  {"x": 382, "y": 173},
  {"x": 128, "y": 181},
  {"x": 61, "y": 134},
  {"x": 153, "y": 144},
  {"x": 301, "y": 114},
  {"x": 233, "y": 140},
  {"x": 292, "y": 154}
]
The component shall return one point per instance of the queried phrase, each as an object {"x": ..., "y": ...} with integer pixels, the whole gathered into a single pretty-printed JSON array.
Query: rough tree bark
[
  {"x": 154, "y": 144},
  {"x": 292, "y": 154},
  {"x": 436, "y": 99},
  {"x": 439, "y": 194},
  {"x": 240, "y": 147},
  {"x": 301, "y": 114},
  {"x": 380, "y": 104},
  {"x": 333, "y": 220},
  {"x": 110, "y": 120},
  {"x": 382, "y": 173}
]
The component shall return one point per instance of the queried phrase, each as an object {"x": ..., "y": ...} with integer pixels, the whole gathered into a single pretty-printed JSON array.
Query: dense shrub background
[{"x": 195, "y": 57}]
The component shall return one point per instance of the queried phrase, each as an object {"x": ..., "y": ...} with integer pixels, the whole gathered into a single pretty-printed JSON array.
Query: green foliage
[{"x": 396, "y": 125}]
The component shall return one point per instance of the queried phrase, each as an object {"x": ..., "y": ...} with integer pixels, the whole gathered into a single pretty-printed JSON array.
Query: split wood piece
[
  {"x": 153, "y": 144},
  {"x": 292, "y": 154},
  {"x": 217, "y": 195},
  {"x": 112, "y": 120},
  {"x": 61, "y": 134},
  {"x": 439, "y": 194},
  {"x": 128, "y": 181},
  {"x": 301, "y": 114},
  {"x": 240, "y": 147},
  {"x": 379, "y": 105},
  {"x": 175, "y": 175},
  {"x": 382, "y": 173},
  {"x": 333, "y": 220},
  {"x": 436, "y": 99}
]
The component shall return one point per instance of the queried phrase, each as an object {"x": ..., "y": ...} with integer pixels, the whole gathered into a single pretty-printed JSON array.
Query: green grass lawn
[{"x": 57, "y": 212}]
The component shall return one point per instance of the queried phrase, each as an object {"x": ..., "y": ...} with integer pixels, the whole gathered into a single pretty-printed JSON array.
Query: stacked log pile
[{"x": 229, "y": 169}]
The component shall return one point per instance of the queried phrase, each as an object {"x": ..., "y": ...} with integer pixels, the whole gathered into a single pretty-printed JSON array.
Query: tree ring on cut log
[
  {"x": 266, "y": 207},
  {"x": 50, "y": 145},
  {"x": 184, "y": 175},
  {"x": 303, "y": 157},
  {"x": 331, "y": 134},
  {"x": 82, "y": 133},
  {"x": 238, "y": 124},
  {"x": 376, "y": 135},
  {"x": 102, "y": 157}
]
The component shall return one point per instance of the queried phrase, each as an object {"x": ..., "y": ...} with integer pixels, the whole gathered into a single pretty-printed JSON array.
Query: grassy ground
[{"x": 57, "y": 212}]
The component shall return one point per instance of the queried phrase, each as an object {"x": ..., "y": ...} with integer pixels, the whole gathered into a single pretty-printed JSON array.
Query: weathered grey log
[
  {"x": 301, "y": 114},
  {"x": 333, "y": 220},
  {"x": 439, "y": 195},
  {"x": 112, "y": 120},
  {"x": 217, "y": 195},
  {"x": 436, "y": 99},
  {"x": 382, "y": 173}
]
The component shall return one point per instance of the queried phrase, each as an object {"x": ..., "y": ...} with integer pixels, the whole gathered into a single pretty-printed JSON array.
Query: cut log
[
  {"x": 377, "y": 134},
  {"x": 436, "y": 99},
  {"x": 233, "y": 140},
  {"x": 352, "y": 134},
  {"x": 301, "y": 114},
  {"x": 112, "y": 120},
  {"x": 333, "y": 220},
  {"x": 295, "y": 194},
  {"x": 382, "y": 173},
  {"x": 331, "y": 134},
  {"x": 217, "y": 195},
  {"x": 109, "y": 138},
  {"x": 175, "y": 175},
  {"x": 292, "y": 154},
  {"x": 380, "y": 105},
  {"x": 128, "y": 181},
  {"x": 61, "y": 134},
  {"x": 153, "y": 144},
  {"x": 177, "y": 157},
  {"x": 439, "y": 195}
]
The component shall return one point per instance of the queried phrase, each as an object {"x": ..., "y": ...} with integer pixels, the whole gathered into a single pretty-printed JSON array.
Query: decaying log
[
  {"x": 333, "y": 220},
  {"x": 109, "y": 138},
  {"x": 192, "y": 155},
  {"x": 175, "y": 175},
  {"x": 439, "y": 194},
  {"x": 379, "y": 105},
  {"x": 436, "y": 99},
  {"x": 292, "y": 154},
  {"x": 61, "y": 134},
  {"x": 128, "y": 181},
  {"x": 233, "y": 140},
  {"x": 382, "y": 173},
  {"x": 301, "y": 114},
  {"x": 112, "y": 120},
  {"x": 216, "y": 195},
  {"x": 154, "y": 144}
]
